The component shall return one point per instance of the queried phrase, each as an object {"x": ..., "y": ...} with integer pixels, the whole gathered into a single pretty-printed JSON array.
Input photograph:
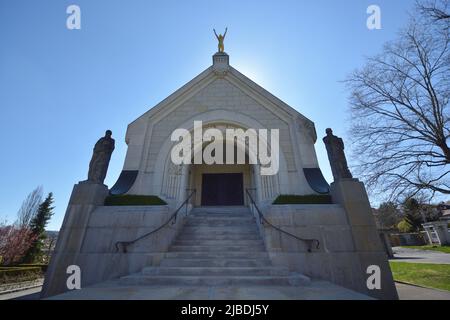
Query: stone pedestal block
[
  {"x": 352, "y": 196},
  {"x": 387, "y": 290},
  {"x": 85, "y": 198}
]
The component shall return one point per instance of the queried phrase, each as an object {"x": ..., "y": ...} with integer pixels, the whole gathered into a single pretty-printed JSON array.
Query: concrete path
[
  {"x": 409, "y": 292},
  {"x": 405, "y": 292},
  {"x": 420, "y": 256},
  {"x": 318, "y": 290},
  {"x": 27, "y": 294}
]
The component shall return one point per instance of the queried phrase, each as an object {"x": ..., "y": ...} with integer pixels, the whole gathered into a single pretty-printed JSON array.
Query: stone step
[
  {"x": 209, "y": 236},
  {"x": 243, "y": 254},
  {"x": 231, "y": 234},
  {"x": 217, "y": 224},
  {"x": 201, "y": 221},
  {"x": 216, "y": 271},
  {"x": 237, "y": 216},
  {"x": 158, "y": 280},
  {"x": 216, "y": 262},
  {"x": 221, "y": 210},
  {"x": 221, "y": 215},
  {"x": 219, "y": 248},
  {"x": 220, "y": 229},
  {"x": 222, "y": 233},
  {"x": 219, "y": 236},
  {"x": 221, "y": 242}
]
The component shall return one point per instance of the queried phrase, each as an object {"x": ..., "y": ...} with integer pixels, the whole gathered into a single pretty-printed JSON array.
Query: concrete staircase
[{"x": 218, "y": 246}]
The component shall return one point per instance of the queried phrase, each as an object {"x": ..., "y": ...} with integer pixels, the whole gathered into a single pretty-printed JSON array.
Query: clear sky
[{"x": 61, "y": 89}]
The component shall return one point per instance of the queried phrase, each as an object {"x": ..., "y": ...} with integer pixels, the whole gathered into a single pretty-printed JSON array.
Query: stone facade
[
  {"x": 221, "y": 97},
  {"x": 349, "y": 242},
  {"x": 90, "y": 233}
]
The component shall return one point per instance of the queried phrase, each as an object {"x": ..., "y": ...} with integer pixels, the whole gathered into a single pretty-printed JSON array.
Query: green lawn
[
  {"x": 134, "y": 200},
  {"x": 422, "y": 274},
  {"x": 444, "y": 249},
  {"x": 303, "y": 199},
  {"x": 20, "y": 273}
]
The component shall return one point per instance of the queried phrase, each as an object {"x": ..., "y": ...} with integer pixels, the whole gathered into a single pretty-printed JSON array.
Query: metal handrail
[
  {"x": 172, "y": 218},
  {"x": 263, "y": 220}
]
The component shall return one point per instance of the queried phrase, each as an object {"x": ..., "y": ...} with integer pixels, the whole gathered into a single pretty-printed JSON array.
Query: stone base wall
[
  {"x": 337, "y": 259},
  {"x": 407, "y": 239},
  {"x": 89, "y": 235}
]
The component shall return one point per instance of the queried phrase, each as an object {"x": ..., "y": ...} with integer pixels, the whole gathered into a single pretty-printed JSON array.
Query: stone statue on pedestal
[
  {"x": 336, "y": 156},
  {"x": 100, "y": 159},
  {"x": 221, "y": 39}
]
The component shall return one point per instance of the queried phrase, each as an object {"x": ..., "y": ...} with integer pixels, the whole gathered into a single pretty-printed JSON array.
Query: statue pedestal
[
  {"x": 221, "y": 63},
  {"x": 85, "y": 198},
  {"x": 352, "y": 196}
]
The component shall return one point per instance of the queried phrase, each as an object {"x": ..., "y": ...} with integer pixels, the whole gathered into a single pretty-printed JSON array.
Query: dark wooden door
[{"x": 222, "y": 189}]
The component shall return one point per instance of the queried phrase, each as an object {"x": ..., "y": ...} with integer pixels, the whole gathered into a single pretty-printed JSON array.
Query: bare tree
[
  {"x": 400, "y": 114},
  {"x": 29, "y": 207},
  {"x": 437, "y": 10}
]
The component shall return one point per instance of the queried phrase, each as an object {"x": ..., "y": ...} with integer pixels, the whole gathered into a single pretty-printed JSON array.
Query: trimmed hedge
[
  {"x": 306, "y": 199},
  {"x": 43, "y": 266},
  {"x": 134, "y": 200},
  {"x": 19, "y": 274}
]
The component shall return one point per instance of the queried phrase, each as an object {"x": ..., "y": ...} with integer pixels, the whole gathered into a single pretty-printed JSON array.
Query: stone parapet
[
  {"x": 349, "y": 241},
  {"x": 90, "y": 232}
]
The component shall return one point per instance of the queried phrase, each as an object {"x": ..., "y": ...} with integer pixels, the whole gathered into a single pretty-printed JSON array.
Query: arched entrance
[
  {"x": 221, "y": 184},
  {"x": 174, "y": 182}
]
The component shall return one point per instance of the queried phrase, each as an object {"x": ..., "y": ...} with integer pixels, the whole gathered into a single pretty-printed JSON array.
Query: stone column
[
  {"x": 441, "y": 230},
  {"x": 351, "y": 194},
  {"x": 85, "y": 198},
  {"x": 384, "y": 237}
]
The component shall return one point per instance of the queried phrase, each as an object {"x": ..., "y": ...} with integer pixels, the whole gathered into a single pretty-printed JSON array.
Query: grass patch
[
  {"x": 42, "y": 266},
  {"x": 19, "y": 274},
  {"x": 422, "y": 274},
  {"x": 134, "y": 200},
  {"x": 307, "y": 199},
  {"x": 444, "y": 249}
]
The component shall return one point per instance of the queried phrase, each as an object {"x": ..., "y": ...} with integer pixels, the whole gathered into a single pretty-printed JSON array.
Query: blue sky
[{"x": 61, "y": 89}]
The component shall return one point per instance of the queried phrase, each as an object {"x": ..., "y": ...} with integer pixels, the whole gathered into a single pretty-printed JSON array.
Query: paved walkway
[
  {"x": 27, "y": 294},
  {"x": 318, "y": 290},
  {"x": 408, "y": 292},
  {"x": 420, "y": 256},
  {"x": 405, "y": 292}
]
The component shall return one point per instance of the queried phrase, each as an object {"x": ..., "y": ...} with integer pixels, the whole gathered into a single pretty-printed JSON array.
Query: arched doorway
[
  {"x": 221, "y": 184},
  {"x": 175, "y": 182}
]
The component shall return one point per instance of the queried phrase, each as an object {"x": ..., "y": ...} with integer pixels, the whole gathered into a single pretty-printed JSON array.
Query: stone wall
[
  {"x": 339, "y": 259},
  {"x": 88, "y": 237},
  {"x": 407, "y": 239},
  {"x": 326, "y": 223},
  {"x": 147, "y": 136}
]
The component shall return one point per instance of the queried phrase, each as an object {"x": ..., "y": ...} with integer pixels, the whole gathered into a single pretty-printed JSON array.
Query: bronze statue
[
  {"x": 336, "y": 156},
  {"x": 221, "y": 38},
  {"x": 100, "y": 158}
]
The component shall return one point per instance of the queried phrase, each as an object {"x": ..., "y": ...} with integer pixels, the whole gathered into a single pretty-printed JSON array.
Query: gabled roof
[{"x": 225, "y": 71}]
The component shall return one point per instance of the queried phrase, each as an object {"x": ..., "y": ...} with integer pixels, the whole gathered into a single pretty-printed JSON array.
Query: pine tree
[
  {"x": 37, "y": 226},
  {"x": 412, "y": 216}
]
